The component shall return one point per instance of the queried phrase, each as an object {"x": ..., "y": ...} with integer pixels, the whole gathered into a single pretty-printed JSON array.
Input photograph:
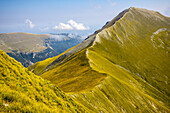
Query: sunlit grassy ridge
[
  {"x": 132, "y": 54},
  {"x": 125, "y": 51},
  {"x": 38, "y": 67},
  {"x": 74, "y": 75},
  {"x": 22, "y": 91},
  {"x": 140, "y": 43}
]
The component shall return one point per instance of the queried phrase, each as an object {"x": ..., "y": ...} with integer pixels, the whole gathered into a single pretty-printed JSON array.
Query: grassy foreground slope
[
  {"x": 125, "y": 68},
  {"x": 22, "y": 91}
]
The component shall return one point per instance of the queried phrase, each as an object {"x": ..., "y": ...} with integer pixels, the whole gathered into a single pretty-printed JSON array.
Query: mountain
[
  {"x": 29, "y": 48},
  {"x": 22, "y": 91},
  {"x": 122, "y": 67}
]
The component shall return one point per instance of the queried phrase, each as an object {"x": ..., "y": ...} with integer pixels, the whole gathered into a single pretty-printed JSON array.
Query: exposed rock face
[{"x": 123, "y": 67}]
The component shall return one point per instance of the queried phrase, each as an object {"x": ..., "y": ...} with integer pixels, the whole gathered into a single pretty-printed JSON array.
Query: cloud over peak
[
  {"x": 71, "y": 25},
  {"x": 63, "y": 26},
  {"x": 77, "y": 26},
  {"x": 29, "y": 22}
]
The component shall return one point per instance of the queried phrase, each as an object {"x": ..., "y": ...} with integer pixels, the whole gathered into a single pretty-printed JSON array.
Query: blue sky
[{"x": 77, "y": 16}]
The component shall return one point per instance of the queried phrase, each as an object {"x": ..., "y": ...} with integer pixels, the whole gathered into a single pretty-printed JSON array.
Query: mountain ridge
[
  {"x": 131, "y": 74},
  {"x": 87, "y": 41}
]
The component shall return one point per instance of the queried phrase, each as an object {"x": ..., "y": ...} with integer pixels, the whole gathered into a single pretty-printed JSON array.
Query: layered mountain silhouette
[
  {"x": 123, "y": 67},
  {"x": 29, "y": 48}
]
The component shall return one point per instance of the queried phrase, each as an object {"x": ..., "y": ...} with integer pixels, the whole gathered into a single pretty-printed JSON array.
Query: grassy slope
[
  {"x": 22, "y": 91},
  {"x": 126, "y": 53},
  {"x": 134, "y": 59},
  {"x": 74, "y": 75},
  {"x": 24, "y": 42},
  {"x": 39, "y": 67},
  {"x": 141, "y": 51}
]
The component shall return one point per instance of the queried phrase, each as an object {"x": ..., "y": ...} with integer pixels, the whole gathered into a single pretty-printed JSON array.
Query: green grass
[
  {"x": 39, "y": 67},
  {"x": 126, "y": 69},
  {"x": 74, "y": 75},
  {"x": 22, "y": 91},
  {"x": 126, "y": 53},
  {"x": 136, "y": 51}
]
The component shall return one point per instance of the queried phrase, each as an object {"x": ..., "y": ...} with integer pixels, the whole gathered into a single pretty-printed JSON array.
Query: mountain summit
[{"x": 123, "y": 67}]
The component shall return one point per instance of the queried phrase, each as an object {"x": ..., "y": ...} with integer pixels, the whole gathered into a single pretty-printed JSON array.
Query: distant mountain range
[{"x": 29, "y": 48}]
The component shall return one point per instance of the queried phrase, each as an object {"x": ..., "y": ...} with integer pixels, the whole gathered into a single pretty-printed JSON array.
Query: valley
[{"x": 30, "y": 48}]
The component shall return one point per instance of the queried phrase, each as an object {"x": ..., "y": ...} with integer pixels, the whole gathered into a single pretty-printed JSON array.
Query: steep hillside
[
  {"x": 123, "y": 67},
  {"x": 22, "y": 91},
  {"x": 29, "y": 48}
]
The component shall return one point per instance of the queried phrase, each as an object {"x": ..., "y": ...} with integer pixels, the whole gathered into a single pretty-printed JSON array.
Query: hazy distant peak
[{"x": 64, "y": 36}]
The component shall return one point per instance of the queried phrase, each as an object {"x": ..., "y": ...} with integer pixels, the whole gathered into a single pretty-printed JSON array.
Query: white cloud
[
  {"x": 28, "y": 21},
  {"x": 63, "y": 26},
  {"x": 70, "y": 25},
  {"x": 44, "y": 29},
  {"x": 77, "y": 26},
  {"x": 59, "y": 37}
]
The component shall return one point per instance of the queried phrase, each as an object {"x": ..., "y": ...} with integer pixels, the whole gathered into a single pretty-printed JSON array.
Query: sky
[{"x": 72, "y": 16}]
